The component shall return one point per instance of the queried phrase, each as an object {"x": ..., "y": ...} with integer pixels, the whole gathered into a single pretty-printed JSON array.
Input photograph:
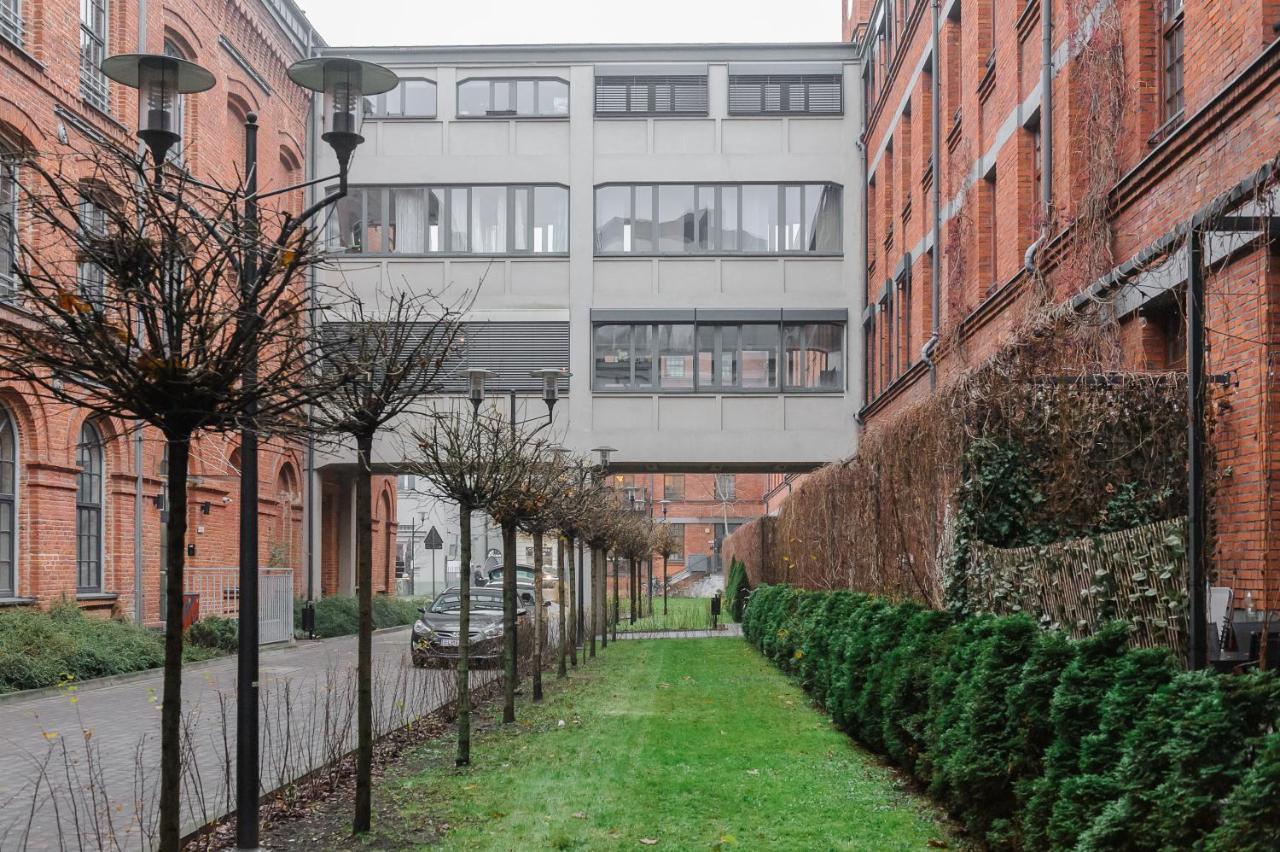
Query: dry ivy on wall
[{"x": 1044, "y": 441}]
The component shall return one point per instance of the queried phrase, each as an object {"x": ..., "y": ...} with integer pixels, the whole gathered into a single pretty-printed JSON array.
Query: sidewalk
[{"x": 83, "y": 767}]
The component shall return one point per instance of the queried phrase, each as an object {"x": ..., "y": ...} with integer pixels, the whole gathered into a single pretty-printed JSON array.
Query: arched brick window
[
  {"x": 89, "y": 457},
  {"x": 8, "y": 504}
]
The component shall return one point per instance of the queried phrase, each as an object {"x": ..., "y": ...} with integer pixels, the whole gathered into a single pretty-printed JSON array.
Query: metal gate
[
  {"x": 275, "y": 605},
  {"x": 218, "y": 590}
]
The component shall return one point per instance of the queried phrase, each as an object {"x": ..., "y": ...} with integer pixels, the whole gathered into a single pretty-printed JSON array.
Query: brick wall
[
  {"x": 43, "y": 75},
  {"x": 990, "y": 64}
]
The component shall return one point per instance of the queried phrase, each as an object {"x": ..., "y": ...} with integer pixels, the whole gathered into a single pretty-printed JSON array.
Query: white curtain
[{"x": 410, "y": 221}]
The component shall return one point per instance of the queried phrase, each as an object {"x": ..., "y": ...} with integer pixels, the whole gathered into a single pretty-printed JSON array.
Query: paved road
[{"x": 80, "y": 770}]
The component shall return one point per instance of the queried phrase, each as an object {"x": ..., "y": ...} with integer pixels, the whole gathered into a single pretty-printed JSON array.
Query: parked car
[
  {"x": 524, "y": 582},
  {"x": 434, "y": 638}
]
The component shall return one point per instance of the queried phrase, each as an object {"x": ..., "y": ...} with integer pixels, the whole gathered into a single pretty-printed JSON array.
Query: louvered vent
[
  {"x": 762, "y": 94},
  {"x": 664, "y": 95},
  {"x": 511, "y": 349}
]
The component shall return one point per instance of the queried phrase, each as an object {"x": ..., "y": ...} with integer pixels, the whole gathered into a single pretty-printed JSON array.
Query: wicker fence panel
[{"x": 1137, "y": 575}]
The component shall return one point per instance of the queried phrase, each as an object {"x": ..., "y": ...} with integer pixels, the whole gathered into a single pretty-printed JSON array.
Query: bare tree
[
  {"x": 665, "y": 542},
  {"x": 474, "y": 461},
  {"x": 543, "y": 488},
  {"x": 383, "y": 359},
  {"x": 148, "y": 302},
  {"x": 577, "y": 495},
  {"x": 526, "y": 503}
]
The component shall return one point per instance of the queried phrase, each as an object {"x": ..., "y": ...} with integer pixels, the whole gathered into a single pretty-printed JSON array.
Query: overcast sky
[{"x": 427, "y": 22}]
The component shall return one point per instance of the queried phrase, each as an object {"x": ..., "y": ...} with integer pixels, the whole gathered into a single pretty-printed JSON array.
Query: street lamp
[
  {"x": 551, "y": 377},
  {"x": 476, "y": 379},
  {"x": 160, "y": 81},
  {"x": 603, "y": 453}
]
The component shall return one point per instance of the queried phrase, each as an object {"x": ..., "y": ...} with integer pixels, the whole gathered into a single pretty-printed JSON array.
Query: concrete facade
[{"x": 579, "y": 150}]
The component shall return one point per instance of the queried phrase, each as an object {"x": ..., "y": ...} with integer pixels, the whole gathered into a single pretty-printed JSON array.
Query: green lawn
[
  {"x": 674, "y": 744},
  {"x": 682, "y": 614}
]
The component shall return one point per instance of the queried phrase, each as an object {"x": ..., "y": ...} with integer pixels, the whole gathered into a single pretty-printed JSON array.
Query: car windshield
[
  {"x": 451, "y": 602},
  {"x": 521, "y": 574}
]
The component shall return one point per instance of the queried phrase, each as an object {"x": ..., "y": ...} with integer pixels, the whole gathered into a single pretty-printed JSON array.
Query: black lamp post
[
  {"x": 664, "y": 502},
  {"x": 160, "y": 80}
]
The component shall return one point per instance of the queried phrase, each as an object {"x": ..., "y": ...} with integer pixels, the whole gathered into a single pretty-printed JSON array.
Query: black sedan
[{"x": 434, "y": 638}]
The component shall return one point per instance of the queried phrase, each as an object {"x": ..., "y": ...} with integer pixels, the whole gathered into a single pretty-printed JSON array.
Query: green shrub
[
  {"x": 1033, "y": 740},
  {"x": 215, "y": 633},
  {"x": 340, "y": 615},
  {"x": 45, "y": 648},
  {"x": 736, "y": 589}
]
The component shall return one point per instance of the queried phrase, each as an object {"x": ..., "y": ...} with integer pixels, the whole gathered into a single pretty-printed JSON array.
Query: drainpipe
[
  {"x": 1046, "y": 105},
  {"x": 308, "y": 615},
  {"x": 861, "y": 144},
  {"x": 935, "y": 257},
  {"x": 139, "y": 596}
]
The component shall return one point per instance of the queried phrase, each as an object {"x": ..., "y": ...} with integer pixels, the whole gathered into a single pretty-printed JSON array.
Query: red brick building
[
  {"x": 701, "y": 506},
  {"x": 70, "y": 523},
  {"x": 1156, "y": 108}
]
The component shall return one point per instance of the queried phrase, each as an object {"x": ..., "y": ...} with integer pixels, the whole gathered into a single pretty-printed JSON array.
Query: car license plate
[{"x": 448, "y": 642}]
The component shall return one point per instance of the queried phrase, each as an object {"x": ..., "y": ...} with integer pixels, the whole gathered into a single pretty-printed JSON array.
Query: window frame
[
  {"x": 9, "y": 226},
  {"x": 12, "y": 25},
  {"x": 716, "y": 218},
  {"x": 651, "y": 84},
  {"x": 677, "y": 555},
  {"x": 90, "y": 473},
  {"x": 1172, "y": 27},
  {"x": 378, "y": 111},
  {"x": 9, "y": 502},
  {"x": 95, "y": 34},
  {"x": 513, "y": 113},
  {"x": 780, "y": 386},
  {"x": 675, "y": 495},
  {"x": 785, "y": 84},
  {"x": 445, "y": 220}
]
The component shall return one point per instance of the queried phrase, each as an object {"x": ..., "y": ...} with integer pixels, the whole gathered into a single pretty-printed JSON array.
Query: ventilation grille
[
  {"x": 813, "y": 94},
  {"x": 669, "y": 95}
]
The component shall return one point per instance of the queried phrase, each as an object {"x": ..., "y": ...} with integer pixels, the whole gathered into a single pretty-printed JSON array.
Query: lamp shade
[
  {"x": 344, "y": 83},
  {"x": 160, "y": 80},
  {"x": 476, "y": 379}
]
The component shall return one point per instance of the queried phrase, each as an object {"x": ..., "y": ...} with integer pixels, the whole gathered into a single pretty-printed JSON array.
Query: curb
[{"x": 92, "y": 684}]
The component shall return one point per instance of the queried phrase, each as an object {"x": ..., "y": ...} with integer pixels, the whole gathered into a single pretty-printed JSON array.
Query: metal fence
[{"x": 219, "y": 594}]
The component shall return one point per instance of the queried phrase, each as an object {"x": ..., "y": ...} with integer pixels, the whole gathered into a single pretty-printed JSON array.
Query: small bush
[
  {"x": 340, "y": 615},
  {"x": 736, "y": 589},
  {"x": 215, "y": 633},
  {"x": 1032, "y": 740}
]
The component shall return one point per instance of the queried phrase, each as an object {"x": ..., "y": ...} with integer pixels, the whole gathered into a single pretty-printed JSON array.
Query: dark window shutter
[
  {"x": 758, "y": 94},
  {"x": 659, "y": 95}
]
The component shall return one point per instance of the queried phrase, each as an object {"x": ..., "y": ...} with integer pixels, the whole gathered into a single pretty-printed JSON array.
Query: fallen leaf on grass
[
  {"x": 934, "y": 843},
  {"x": 579, "y": 815},
  {"x": 753, "y": 771},
  {"x": 649, "y": 841}
]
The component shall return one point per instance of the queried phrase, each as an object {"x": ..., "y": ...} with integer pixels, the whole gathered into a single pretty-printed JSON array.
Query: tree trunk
[
  {"x": 171, "y": 709},
  {"x": 648, "y": 586},
  {"x": 561, "y": 669},
  {"x": 537, "y": 616},
  {"x": 573, "y": 604},
  {"x": 364, "y": 639},
  {"x": 509, "y": 639},
  {"x": 633, "y": 587},
  {"x": 617, "y": 581},
  {"x": 464, "y": 637},
  {"x": 594, "y": 613},
  {"x": 666, "y": 576},
  {"x": 603, "y": 585}
]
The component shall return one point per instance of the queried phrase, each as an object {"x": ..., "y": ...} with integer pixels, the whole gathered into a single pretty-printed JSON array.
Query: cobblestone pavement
[{"x": 79, "y": 770}]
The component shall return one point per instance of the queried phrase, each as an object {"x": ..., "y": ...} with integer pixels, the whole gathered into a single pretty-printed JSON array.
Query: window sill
[
  {"x": 605, "y": 116},
  {"x": 787, "y": 114},
  {"x": 712, "y": 394},
  {"x": 441, "y": 255},
  {"x": 22, "y": 53},
  {"x": 511, "y": 118},
  {"x": 1166, "y": 130},
  {"x": 97, "y": 597},
  {"x": 401, "y": 118},
  {"x": 17, "y": 601}
]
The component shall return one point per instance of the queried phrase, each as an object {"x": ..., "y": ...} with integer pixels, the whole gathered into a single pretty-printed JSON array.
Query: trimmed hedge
[
  {"x": 340, "y": 615},
  {"x": 1032, "y": 740}
]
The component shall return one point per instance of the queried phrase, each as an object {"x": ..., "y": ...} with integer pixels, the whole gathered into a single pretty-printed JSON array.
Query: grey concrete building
[{"x": 678, "y": 225}]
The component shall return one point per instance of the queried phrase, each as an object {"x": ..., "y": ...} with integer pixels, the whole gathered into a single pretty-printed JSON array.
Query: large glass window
[
  {"x": 719, "y": 357},
  {"x": 452, "y": 219},
  {"x": 8, "y": 504},
  {"x": 93, "y": 49},
  {"x": 814, "y": 355},
  {"x": 692, "y": 219},
  {"x": 89, "y": 510},
  {"x": 677, "y": 541},
  {"x": 513, "y": 98},
  {"x": 8, "y": 221},
  {"x": 413, "y": 98},
  {"x": 813, "y": 94},
  {"x": 11, "y": 21},
  {"x": 1172, "y": 28},
  {"x": 673, "y": 487}
]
